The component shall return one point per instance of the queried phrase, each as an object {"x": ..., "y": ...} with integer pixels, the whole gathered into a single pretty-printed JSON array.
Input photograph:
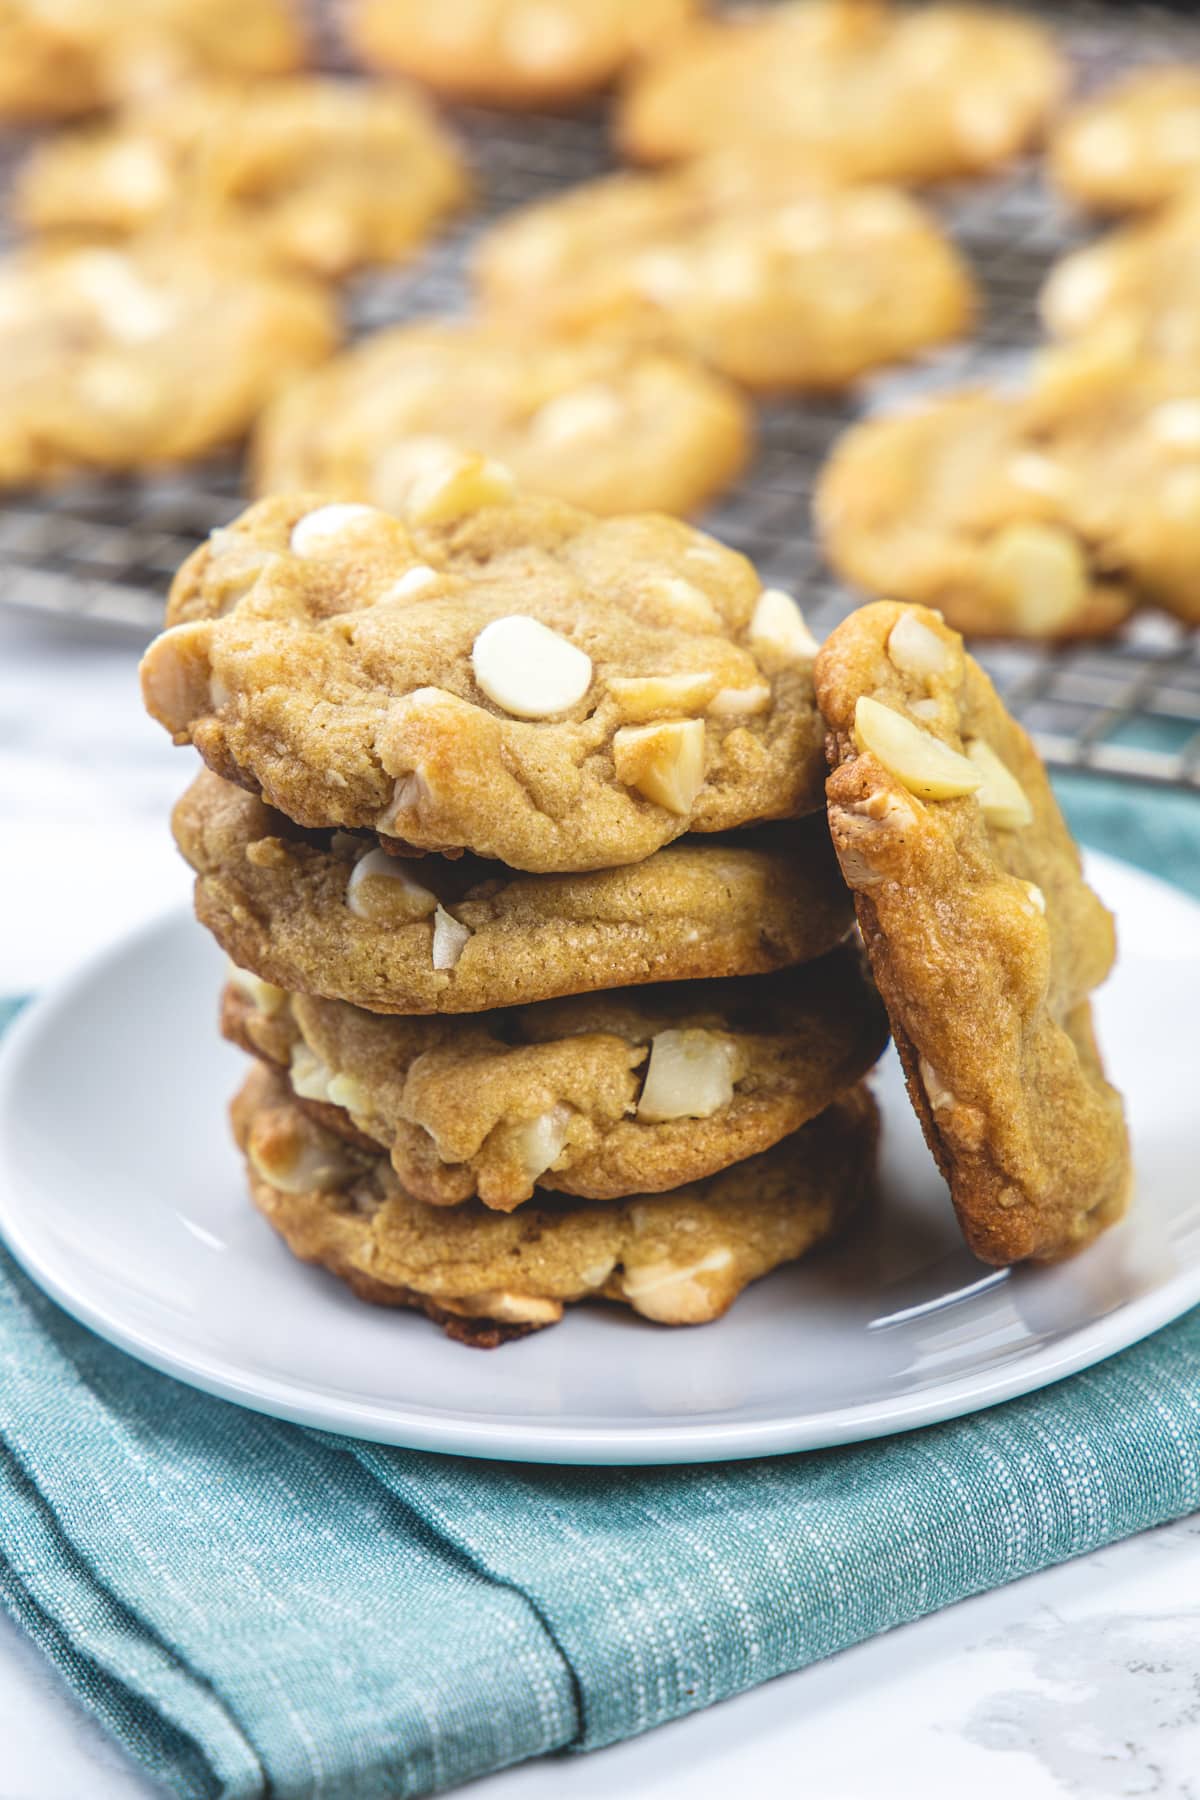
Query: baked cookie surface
[
  {"x": 911, "y": 94},
  {"x": 679, "y": 1259},
  {"x": 490, "y": 672},
  {"x": 1139, "y": 285},
  {"x": 1047, "y": 514},
  {"x": 512, "y": 52},
  {"x": 1134, "y": 145},
  {"x": 120, "y": 359},
  {"x": 749, "y": 261},
  {"x": 984, "y": 938},
  {"x": 606, "y": 425},
  {"x": 603, "y": 1095},
  {"x": 77, "y": 55},
  {"x": 288, "y": 905},
  {"x": 328, "y": 175}
]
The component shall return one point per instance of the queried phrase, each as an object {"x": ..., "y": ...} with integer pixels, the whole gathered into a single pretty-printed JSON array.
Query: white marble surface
[{"x": 1083, "y": 1682}]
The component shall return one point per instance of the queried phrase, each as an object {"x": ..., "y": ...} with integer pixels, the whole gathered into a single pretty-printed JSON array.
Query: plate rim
[{"x": 549, "y": 1442}]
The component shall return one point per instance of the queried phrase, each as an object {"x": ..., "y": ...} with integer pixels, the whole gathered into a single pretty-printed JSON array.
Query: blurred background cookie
[
  {"x": 955, "y": 503},
  {"x": 327, "y": 174},
  {"x": 511, "y": 52},
  {"x": 610, "y": 425},
  {"x": 122, "y": 359},
  {"x": 749, "y": 260},
  {"x": 908, "y": 93},
  {"x": 1048, "y": 513},
  {"x": 1134, "y": 145},
  {"x": 70, "y": 58},
  {"x": 1139, "y": 285}
]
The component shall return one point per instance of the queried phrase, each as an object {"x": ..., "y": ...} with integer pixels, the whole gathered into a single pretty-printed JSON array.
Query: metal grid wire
[{"x": 101, "y": 552}]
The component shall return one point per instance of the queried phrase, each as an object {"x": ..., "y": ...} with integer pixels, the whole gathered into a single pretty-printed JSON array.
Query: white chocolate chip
[
  {"x": 591, "y": 411},
  {"x": 596, "y": 1274},
  {"x": 665, "y": 276},
  {"x": 924, "y": 709},
  {"x": 915, "y": 650},
  {"x": 177, "y": 676},
  {"x": 671, "y": 1292},
  {"x": 327, "y": 522},
  {"x": 1037, "y": 898},
  {"x": 926, "y": 766},
  {"x": 381, "y": 889},
  {"x": 1037, "y": 573},
  {"x": 1177, "y": 423},
  {"x": 778, "y": 625},
  {"x": 349, "y": 1094},
  {"x": 538, "y": 36},
  {"x": 664, "y": 762},
  {"x": 529, "y": 670},
  {"x": 308, "y": 1166},
  {"x": 264, "y": 994},
  {"x": 684, "y": 603},
  {"x": 1104, "y": 142},
  {"x": 732, "y": 700},
  {"x": 309, "y": 1076},
  {"x": 138, "y": 170},
  {"x": 689, "y": 1076},
  {"x": 1003, "y": 799},
  {"x": 450, "y": 939},
  {"x": 131, "y": 309},
  {"x": 1077, "y": 289},
  {"x": 539, "y": 1143},
  {"x": 417, "y": 580},
  {"x": 937, "y": 1093},
  {"x": 511, "y": 1309},
  {"x": 640, "y": 697},
  {"x": 408, "y": 795},
  {"x": 463, "y": 484},
  {"x": 1039, "y": 474}
]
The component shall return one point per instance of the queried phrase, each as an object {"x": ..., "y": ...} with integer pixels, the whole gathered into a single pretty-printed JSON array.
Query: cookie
[
  {"x": 1140, "y": 286},
  {"x": 511, "y": 52},
  {"x": 1048, "y": 514},
  {"x": 602, "y": 1095},
  {"x": 911, "y": 94},
  {"x": 610, "y": 426},
  {"x": 288, "y": 905},
  {"x": 1134, "y": 145},
  {"x": 490, "y": 672},
  {"x": 749, "y": 261},
  {"x": 679, "y": 1259},
  {"x": 328, "y": 174},
  {"x": 123, "y": 359},
  {"x": 77, "y": 55},
  {"x": 984, "y": 938}
]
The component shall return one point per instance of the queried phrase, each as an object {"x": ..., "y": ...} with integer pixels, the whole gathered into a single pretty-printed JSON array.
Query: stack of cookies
[{"x": 542, "y": 967}]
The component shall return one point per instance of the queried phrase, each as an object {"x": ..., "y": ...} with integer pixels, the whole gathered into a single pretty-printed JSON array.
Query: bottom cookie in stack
[
  {"x": 679, "y": 1258},
  {"x": 707, "y": 1122}
]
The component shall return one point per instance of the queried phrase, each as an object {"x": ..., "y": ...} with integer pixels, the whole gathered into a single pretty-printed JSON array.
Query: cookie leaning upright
[
  {"x": 984, "y": 938},
  {"x": 490, "y": 672}
]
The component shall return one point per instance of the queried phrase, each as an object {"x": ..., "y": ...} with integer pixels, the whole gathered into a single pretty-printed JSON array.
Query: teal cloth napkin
[{"x": 254, "y": 1609}]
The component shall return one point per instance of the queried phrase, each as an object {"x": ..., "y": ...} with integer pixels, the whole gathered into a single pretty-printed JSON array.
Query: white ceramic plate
[{"x": 121, "y": 1194}]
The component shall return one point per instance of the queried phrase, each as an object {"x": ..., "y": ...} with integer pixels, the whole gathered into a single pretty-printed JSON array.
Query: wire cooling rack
[{"x": 102, "y": 552}]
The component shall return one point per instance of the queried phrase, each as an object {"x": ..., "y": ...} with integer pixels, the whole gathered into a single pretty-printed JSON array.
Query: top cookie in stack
[
  {"x": 490, "y": 672},
  {"x": 449, "y": 754}
]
